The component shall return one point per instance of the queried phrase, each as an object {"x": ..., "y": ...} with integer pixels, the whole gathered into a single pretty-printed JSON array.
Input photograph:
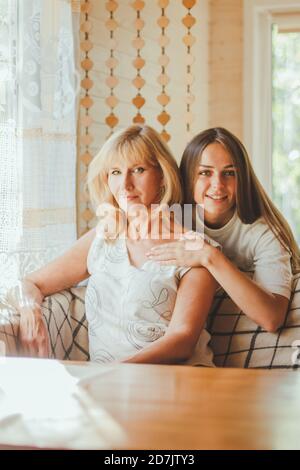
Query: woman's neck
[
  {"x": 218, "y": 221},
  {"x": 155, "y": 227}
]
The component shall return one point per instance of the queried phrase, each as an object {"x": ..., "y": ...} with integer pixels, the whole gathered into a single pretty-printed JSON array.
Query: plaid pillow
[
  {"x": 238, "y": 342},
  {"x": 64, "y": 315}
]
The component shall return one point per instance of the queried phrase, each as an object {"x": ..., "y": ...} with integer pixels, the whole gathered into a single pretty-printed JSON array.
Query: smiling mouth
[{"x": 216, "y": 198}]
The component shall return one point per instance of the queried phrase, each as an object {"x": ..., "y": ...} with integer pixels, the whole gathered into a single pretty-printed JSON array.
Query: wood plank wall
[{"x": 226, "y": 65}]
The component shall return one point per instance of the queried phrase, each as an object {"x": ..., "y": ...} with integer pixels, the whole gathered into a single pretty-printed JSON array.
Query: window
[
  {"x": 4, "y": 54},
  {"x": 286, "y": 123},
  {"x": 272, "y": 99},
  {"x": 37, "y": 134},
  {"x": 10, "y": 210}
]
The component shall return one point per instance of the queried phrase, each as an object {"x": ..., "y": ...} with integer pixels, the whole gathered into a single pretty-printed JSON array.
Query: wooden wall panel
[{"x": 226, "y": 65}]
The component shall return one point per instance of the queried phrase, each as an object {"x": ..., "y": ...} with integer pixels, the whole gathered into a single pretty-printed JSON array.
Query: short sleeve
[
  {"x": 272, "y": 265},
  {"x": 96, "y": 253},
  {"x": 181, "y": 271}
]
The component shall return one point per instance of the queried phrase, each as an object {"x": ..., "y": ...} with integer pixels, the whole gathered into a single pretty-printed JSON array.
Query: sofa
[{"x": 235, "y": 340}]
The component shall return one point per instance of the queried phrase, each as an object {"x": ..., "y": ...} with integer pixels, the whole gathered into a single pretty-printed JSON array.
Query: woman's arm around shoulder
[
  {"x": 263, "y": 305},
  {"x": 265, "y": 308}
]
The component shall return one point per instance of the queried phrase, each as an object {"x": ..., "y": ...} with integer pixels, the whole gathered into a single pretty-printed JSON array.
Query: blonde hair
[
  {"x": 252, "y": 202},
  {"x": 134, "y": 145}
]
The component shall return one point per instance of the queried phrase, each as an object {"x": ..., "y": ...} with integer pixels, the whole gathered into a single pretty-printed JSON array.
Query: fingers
[
  {"x": 195, "y": 245},
  {"x": 32, "y": 349},
  {"x": 165, "y": 247},
  {"x": 26, "y": 328},
  {"x": 33, "y": 334},
  {"x": 42, "y": 340},
  {"x": 26, "y": 334},
  {"x": 167, "y": 250},
  {"x": 160, "y": 256},
  {"x": 27, "y": 348},
  {"x": 42, "y": 347},
  {"x": 169, "y": 262},
  {"x": 36, "y": 348}
]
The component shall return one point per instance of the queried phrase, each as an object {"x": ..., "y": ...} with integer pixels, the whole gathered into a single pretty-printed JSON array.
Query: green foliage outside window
[{"x": 286, "y": 126}]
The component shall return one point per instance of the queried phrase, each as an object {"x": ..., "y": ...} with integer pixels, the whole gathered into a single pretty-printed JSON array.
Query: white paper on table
[{"x": 42, "y": 405}]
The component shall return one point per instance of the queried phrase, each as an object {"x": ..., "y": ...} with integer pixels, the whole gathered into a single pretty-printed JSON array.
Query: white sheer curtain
[{"x": 38, "y": 89}]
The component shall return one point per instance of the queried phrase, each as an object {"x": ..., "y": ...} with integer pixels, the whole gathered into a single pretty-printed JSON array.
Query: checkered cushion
[
  {"x": 64, "y": 315},
  {"x": 238, "y": 342}
]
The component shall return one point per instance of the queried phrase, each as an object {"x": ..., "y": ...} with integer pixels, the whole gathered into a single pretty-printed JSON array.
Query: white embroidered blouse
[{"x": 127, "y": 307}]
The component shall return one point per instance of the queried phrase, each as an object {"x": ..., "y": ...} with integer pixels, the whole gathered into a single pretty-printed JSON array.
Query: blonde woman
[
  {"x": 137, "y": 311},
  {"x": 217, "y": 173}
]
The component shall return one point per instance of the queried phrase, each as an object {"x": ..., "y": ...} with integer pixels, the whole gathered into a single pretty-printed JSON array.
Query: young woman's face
[
  {"x": 135, "y": 184},
  {"x": 215, "y": 185}
]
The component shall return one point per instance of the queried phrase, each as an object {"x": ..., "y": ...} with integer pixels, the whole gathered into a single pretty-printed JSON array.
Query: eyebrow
[{"x": 209, "y": 166}]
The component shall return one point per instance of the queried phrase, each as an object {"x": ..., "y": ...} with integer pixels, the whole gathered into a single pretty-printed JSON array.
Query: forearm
[
  {"x": 170, "y": 349},
  {"x": 261, "y": 306}
]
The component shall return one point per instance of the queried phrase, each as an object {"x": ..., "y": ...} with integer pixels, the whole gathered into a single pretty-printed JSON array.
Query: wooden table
[{"x": 180, "y": 407}]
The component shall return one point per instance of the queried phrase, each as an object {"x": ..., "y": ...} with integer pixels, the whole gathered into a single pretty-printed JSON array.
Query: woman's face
[
  {"x": 215, "y": 185},
  {"x": 135, "y": 184}
]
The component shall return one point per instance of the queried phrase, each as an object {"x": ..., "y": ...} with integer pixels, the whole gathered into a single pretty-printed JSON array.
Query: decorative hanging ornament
[
  {"x": 138, "y": 43},
  {"x": 163, "y": 79},
  {"x": 112, "y": 81},
  {"x": 86, "y": 102},
  {"x": 189, "y": 40}
]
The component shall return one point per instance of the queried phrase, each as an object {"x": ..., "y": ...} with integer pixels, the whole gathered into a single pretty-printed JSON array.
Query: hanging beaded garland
[
  {"x": 75, "y": 5},
  {"x": 138, "y": 63},
  {"x": 112, "y": 81},
  {"x": 163, "y": 79},
  {"x": 86, "y": 103},
  {"x": 188, "y": 39}
]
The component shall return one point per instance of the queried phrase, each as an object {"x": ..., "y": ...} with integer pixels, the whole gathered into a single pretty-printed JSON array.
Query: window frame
[{"x": 258, "y": 20}]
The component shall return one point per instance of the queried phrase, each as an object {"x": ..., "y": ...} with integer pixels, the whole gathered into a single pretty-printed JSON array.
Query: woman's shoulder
[
  {"x": 264, "y": 239},
  {"x": 96, "y": 250},
  {"x": 256, "y": 238},
  {"x": 255, "y": 230},
  {"x": 261, "y": 228}
]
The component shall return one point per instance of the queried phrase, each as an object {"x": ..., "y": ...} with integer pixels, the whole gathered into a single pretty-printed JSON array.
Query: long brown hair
[{"x": 252, "y": 202}]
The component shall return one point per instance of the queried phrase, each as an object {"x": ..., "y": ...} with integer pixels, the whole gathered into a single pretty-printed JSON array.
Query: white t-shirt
[
  {"x": 127, "y": 307},
  {"x": 255, "y": 248}
]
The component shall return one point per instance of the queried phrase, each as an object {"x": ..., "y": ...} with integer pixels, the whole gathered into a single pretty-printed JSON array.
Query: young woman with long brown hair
[{"x": 217, "y": 173}]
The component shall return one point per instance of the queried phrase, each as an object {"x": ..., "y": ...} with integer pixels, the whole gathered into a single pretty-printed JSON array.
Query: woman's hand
[
  {"x": 192, "y": 250},
  {"x": 27, "y": 298},
  {"x": 33, "y": 333}
]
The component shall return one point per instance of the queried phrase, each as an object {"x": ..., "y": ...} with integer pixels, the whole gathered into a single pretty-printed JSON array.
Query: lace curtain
[{"x": 38, "y": 89}]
